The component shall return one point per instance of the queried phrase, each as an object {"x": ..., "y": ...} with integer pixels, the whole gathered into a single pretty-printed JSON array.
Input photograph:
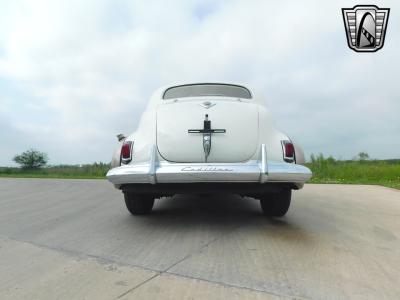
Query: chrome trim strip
[
  {"x": 153, "y": 165},
  {"x": 263, "y": 164}
]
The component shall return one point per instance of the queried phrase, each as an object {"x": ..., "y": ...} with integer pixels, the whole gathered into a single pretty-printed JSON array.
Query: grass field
[
  {"x": 381, "y": 172},
  {"x": 325, "y": 170},
  {"x": 90, "y": 171}
]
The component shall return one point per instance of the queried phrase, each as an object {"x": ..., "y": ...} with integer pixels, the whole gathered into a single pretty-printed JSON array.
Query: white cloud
[{"x": 86, "y": 69}]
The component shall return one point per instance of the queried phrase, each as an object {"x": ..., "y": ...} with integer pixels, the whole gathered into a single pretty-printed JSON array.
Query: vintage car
[{"x": 207, "y": 138}]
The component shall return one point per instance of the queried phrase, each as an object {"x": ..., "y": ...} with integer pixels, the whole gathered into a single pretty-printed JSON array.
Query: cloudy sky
[{"x": 73, "y": 74}]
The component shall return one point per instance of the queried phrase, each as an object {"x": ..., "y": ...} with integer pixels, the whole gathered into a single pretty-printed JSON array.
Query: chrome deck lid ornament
[{"x": 207, "y": 132}]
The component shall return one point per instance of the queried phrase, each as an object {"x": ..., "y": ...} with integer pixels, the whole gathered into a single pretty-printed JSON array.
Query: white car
[{"x": 207, "y": 138}]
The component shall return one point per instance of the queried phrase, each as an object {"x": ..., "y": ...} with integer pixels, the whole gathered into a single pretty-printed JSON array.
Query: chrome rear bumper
[{"x": 262, "y": 171}]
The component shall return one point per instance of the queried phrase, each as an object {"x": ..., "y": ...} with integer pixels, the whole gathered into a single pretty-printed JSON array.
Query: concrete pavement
[{"x": 74, "y": 239}]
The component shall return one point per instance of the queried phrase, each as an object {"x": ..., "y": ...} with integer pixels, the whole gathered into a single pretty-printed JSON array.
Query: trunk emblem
[
  {"x": 207, "y": 132},
  {"x": 207, "y": 104}
]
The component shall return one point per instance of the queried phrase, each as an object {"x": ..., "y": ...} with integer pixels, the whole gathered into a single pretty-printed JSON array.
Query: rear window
[{"x": 198, "y": 90}]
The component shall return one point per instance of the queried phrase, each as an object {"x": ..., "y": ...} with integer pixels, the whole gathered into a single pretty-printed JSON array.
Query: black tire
[
  {"x": 139, "y": 204},
  {"x": 276, "y": 204}
]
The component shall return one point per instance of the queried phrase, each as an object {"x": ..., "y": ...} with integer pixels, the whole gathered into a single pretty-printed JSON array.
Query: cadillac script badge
[{"x": 365, "y": 27}]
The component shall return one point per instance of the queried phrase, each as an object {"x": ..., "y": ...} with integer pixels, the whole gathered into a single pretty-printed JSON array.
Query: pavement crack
[
  {"x": 191, "y": 254},
  {"x": 137, "y": 286},
  {"x": 228, "y": 285},
  {"x": 81, "y": 255},
  {"x": 157, "y": 273},
  {"x": 165, "y": 271}
]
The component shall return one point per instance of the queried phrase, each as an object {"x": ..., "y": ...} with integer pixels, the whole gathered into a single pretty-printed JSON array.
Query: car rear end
[{"x": 209, "y": 138}]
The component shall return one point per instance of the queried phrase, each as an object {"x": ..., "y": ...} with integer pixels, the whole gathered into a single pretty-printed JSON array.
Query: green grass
[
  {"x": 380, "y": 172},
  {"x": 89, "y": 171},
  {"x": 325, "y": 170}
]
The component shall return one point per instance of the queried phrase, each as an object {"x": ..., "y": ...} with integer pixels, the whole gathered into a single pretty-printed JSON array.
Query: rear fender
[{"x": 299, "y": 153}]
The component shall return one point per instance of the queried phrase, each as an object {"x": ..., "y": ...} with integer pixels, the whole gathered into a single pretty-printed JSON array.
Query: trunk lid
[{"x": 237, "y": 144}]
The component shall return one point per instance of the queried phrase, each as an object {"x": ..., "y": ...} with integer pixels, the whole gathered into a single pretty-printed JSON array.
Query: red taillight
[
  {"x": 288, "y": 151},
  {"x": 126, "y": 152}
]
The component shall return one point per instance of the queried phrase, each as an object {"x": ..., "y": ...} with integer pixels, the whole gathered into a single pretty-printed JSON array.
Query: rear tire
[
  {"x": 276, "y": 204},
  {"x": 139, "y": 204}
]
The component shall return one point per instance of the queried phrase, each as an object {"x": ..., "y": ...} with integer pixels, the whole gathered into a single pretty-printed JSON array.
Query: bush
[
  {"x": 362, "y": 156},
  {"x": 31, "y": 159}
]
